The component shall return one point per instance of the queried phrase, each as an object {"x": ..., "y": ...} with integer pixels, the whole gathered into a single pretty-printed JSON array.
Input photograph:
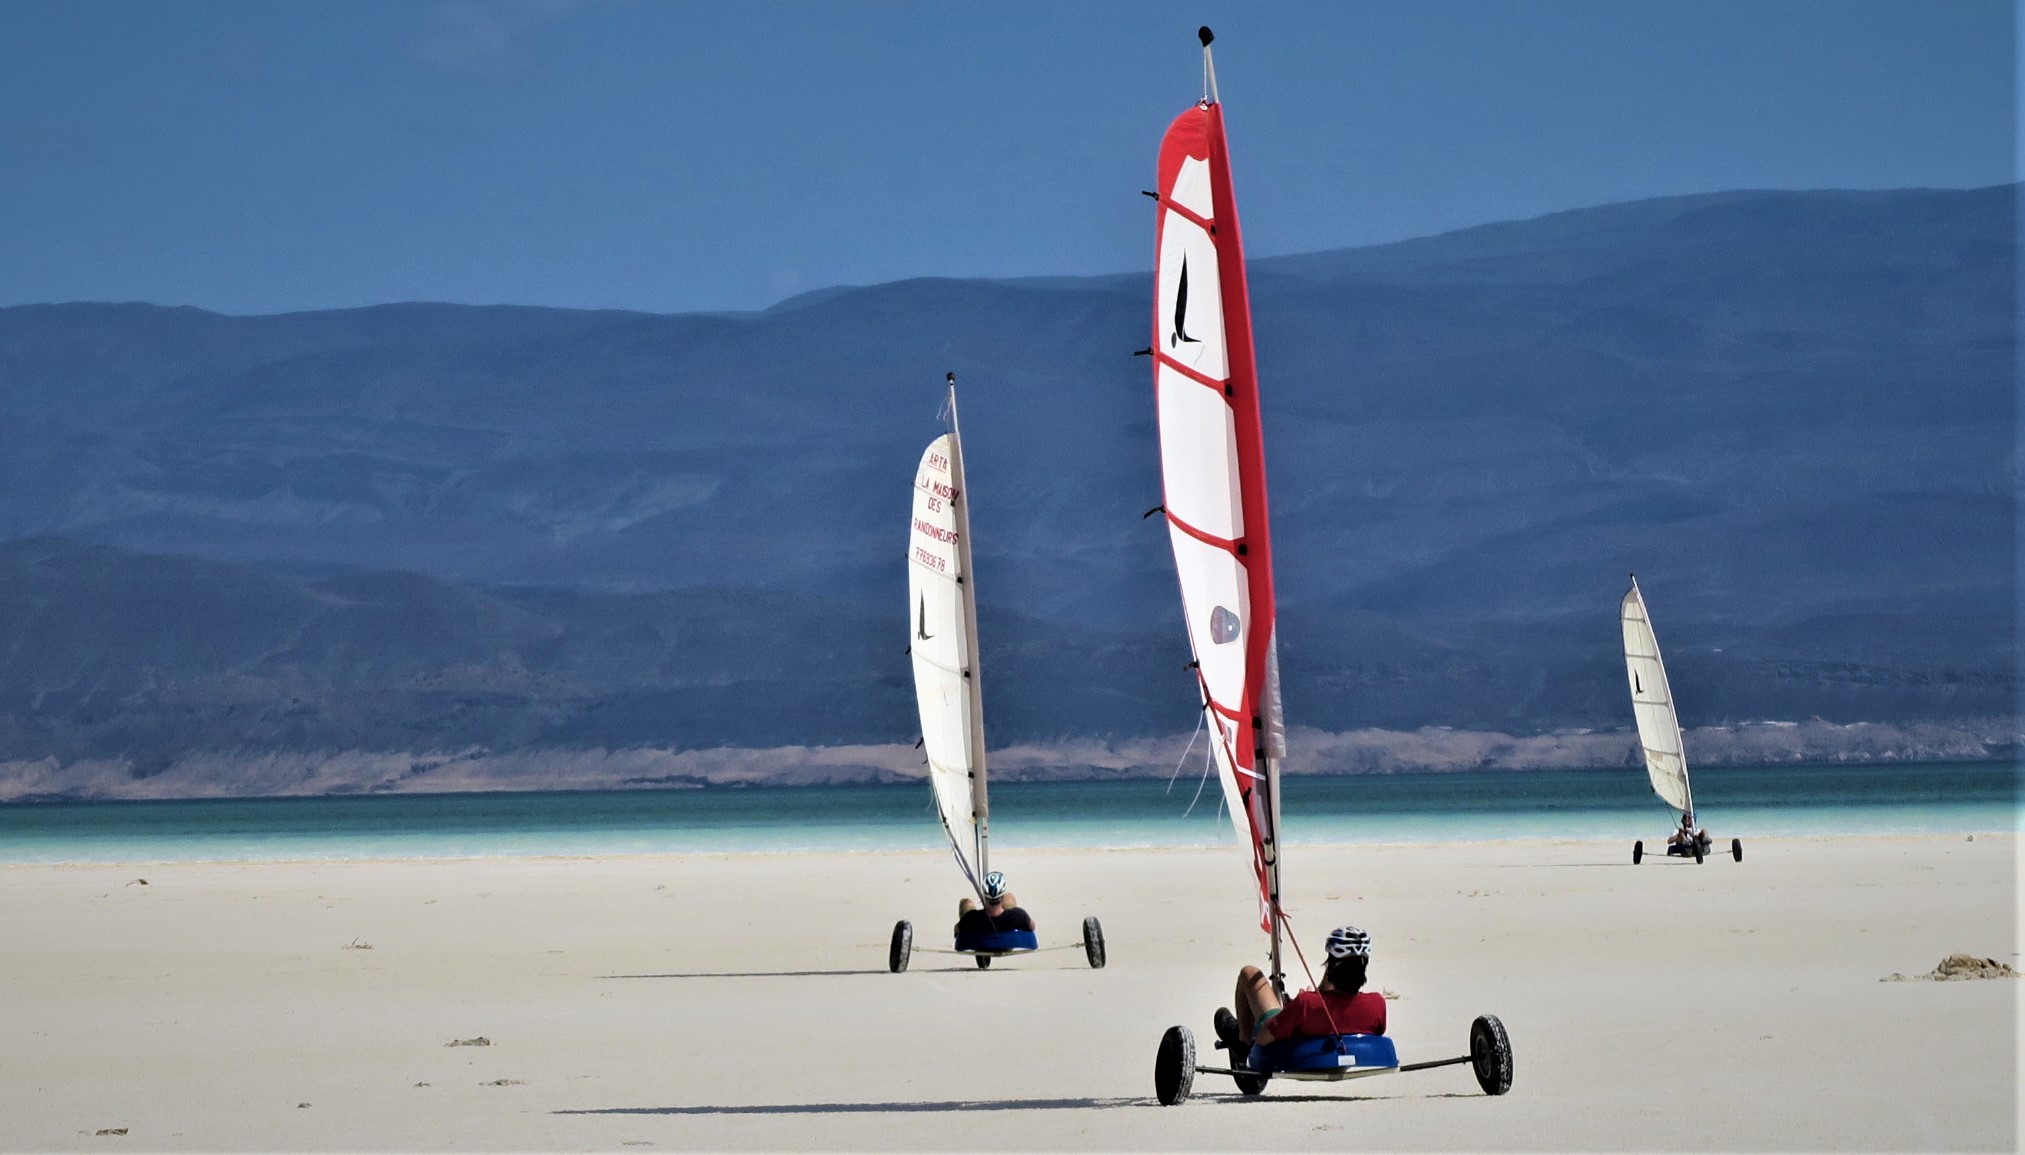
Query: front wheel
[
  {"x": 1699, "y": 853},
  {"x": 1174, "y": 1066},
  {"x": 901, "y": 948},
  {"x": 1737, "y": 849},
  {"x": 1491, "y": 1055},
  {"x": 1637, "y": 852},
  {"x": 1093, "y": 942},
  {"x": 983, "y": 962}
]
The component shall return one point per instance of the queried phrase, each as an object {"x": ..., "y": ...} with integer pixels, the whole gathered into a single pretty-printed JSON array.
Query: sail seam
[{"x": 952, "y": 670}]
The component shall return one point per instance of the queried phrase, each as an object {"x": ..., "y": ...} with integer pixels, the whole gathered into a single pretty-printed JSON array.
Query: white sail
[
  {"x": 1652, "y": 702},
  {"x": 942, "y": 616}
]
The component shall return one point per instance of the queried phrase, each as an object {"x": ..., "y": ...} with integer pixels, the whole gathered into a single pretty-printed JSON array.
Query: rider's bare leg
[{"x": 1255, "y": 996}]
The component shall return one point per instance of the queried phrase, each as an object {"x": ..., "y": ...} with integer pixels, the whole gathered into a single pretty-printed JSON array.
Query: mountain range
[{"x": 429, "y": 527}]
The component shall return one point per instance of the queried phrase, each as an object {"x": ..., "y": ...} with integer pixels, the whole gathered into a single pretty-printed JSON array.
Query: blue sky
[{"x": 272, "y": 156}]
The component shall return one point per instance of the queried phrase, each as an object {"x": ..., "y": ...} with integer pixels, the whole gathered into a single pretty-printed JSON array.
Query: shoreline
[{"x": 856, "y": 853}]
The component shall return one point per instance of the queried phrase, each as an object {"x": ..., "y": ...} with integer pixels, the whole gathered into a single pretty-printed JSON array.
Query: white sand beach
[{"x": 742, "y": 1002}]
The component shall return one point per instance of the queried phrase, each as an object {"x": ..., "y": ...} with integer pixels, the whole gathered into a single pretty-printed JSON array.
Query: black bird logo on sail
[
  {"x": 921, "y": 619},
  {"x": 1180, "y": 333}
]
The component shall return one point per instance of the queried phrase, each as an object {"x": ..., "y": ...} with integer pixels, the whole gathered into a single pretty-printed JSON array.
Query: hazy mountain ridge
[
  {"x": 1440, "y": 749},
  {"x": 1791, "y": 413}
]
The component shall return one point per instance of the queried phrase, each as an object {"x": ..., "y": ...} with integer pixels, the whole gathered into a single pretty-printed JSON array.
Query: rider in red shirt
[{"x": 1339, "y": 1006}]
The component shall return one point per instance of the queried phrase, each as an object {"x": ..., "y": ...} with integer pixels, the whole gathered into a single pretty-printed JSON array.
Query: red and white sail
[{"x": 1212, "y": 465}]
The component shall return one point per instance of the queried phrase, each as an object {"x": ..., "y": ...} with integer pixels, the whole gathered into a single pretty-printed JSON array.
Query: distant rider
[
  {"x": 1684, "y": 840},
  {"x": 1001, "y": 910},
  {"x": 1340, "y": 1005}
]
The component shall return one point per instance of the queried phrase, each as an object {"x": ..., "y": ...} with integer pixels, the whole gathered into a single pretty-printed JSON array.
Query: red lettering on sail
[{"x": 935, "y": 531}]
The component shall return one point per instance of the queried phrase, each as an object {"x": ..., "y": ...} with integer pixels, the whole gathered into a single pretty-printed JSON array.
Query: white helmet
[
  {"x": 994, "y": 886},
  {"x": 1345, "y": 941}
]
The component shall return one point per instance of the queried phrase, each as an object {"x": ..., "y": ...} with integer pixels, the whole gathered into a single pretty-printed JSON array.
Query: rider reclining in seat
[
  {"x": 1686, "y": 835},
  {"x": 1340, "y": 1005},
  {"x": 1001, "y": 911}
]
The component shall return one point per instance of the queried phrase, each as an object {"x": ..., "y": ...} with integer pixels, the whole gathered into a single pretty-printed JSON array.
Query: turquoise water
[{"x": 1733, "y": 802}]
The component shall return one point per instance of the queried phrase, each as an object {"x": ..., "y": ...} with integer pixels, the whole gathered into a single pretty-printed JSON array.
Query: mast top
[
  {"x": 948, "y": 410},
  {"x": 1208, "y": 66}
]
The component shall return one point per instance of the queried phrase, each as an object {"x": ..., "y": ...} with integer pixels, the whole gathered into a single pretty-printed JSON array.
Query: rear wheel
[
  {"x": 983, "y": 962},
  {"x": 1174, "y": 1066},
  {"x": 1251, "y": 1083},
  {"x": 902, "y": 947},
  {"x": 1737, "y": 849},
  {"x": 1093, "y": 942},
  {"x": 1637, "y": 852},
  {"x": 1491, "y": 1055}
]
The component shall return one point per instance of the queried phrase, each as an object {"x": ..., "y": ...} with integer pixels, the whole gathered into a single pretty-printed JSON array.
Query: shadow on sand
[
  {"x": 876, "y": 1108},
  {"x": 1216, "y": 1099},
  {"x": 750, "y": 974},
  {"x": 953, "y": 970},
  {"x": 1624, "y": 863},
  {"x": 954, "y": 1105}
]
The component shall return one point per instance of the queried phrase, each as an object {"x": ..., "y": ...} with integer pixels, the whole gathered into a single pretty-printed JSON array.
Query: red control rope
[{"x": 1307, "y": 970}]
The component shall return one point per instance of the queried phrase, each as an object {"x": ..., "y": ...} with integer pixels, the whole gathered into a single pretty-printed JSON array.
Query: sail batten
[{"x": 1212, "y": 464}]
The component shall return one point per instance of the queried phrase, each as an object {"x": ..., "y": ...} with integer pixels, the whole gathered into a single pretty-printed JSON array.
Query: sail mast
[
  {"x": 1262, "y": 660},
  {"x": 973, "y": 683},
  {"x": 1213, "y": 476}
]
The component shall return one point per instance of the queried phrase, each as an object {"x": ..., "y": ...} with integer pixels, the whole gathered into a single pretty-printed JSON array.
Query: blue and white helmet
[
  {"x": 994, "y": 886},
  {"x": 1345, "y": 941}
]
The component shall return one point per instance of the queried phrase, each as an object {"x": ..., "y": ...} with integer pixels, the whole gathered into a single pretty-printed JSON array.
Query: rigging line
[
  {"x": 1208, "y": 762},
  {"x": 1305, "y": 969},
  {"x": 1190, "y": 749}
]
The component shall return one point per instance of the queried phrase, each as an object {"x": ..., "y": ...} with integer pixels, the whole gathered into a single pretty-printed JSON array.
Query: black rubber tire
[
  {"x": 1093, "y": 942},
  {"x": 1491, "y": 1055},
  {"x": 983, "y": 962},
  {"x": 1637, "y": 852},
  {"x": 1698, "y": 853},
  {"x": 902, "y": 947},
  {"x": 1737, "y": 849},
  {"x": 1251, "y": 1084},
  {"x": 1174, "y": 1067}
]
